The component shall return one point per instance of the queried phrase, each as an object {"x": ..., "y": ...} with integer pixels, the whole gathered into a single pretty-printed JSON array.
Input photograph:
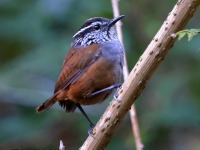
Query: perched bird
[{"x": 91, "y": 69}]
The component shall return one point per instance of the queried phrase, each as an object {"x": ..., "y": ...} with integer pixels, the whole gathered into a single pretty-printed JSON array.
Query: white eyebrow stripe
[{"x": 83, "y": 29}]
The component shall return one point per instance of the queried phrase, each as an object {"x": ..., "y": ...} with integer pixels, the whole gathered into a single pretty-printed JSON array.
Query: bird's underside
[{"x": 78, "y": 81}]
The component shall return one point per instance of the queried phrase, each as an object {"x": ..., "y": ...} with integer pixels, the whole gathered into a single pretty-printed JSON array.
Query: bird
[{"x": 92, "y": 68}]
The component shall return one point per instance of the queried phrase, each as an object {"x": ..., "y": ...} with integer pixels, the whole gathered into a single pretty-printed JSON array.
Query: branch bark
[{"x": 140, "y": 74}]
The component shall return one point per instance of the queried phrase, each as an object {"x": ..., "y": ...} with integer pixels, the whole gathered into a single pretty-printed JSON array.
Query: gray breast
[{"x": 113, "y": 50}]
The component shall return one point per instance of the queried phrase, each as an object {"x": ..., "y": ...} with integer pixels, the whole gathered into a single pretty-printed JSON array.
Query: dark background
[{"x": 34, "y": 38}]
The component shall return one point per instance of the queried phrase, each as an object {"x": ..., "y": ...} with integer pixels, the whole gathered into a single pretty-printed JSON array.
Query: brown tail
[{"x": 47, "y": 104}]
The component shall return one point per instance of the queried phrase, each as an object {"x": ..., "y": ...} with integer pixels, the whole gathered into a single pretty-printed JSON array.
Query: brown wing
[{"x": 75, "y": 64}]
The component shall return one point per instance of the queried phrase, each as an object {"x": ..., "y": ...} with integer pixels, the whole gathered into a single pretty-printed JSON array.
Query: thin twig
[
  {"x": 140, "y": 74},
  {"x": 119, "y": 34},
  {"x": 133, "y": 115},
  {"x": 61, "y": 147}
]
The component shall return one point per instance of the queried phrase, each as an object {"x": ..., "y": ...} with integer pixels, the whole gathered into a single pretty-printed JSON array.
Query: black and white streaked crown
[{"x": 95, "y": 30}]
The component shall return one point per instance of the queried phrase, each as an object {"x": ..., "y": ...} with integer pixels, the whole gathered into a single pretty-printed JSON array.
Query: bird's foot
[
  {"x": 116, "y": 95},
  {"x": 90, "y": 130}
]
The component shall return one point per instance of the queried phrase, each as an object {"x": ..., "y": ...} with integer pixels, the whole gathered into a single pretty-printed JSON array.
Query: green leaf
[
  {"x": 181, "y": 35},
  {"x": 189, "y": 32}
]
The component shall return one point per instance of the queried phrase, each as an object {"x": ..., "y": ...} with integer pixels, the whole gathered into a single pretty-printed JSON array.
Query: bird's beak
[{"x": 114, "y": 20}]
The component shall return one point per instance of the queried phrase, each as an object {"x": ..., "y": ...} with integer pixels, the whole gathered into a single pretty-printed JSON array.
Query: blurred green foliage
[{"x": 34, "y": 38}]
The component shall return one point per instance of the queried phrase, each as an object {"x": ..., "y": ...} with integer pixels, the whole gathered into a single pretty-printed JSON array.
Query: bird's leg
[
  {"x": 105, "y": 89},
  {"x": 93, "y": 94},
  {"x": 89, "y": 121}
]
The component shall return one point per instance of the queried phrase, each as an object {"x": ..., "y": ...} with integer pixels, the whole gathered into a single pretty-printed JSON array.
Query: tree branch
[
  {"x": 133, "y": 115},
  {"x": 146, "y": 65}
]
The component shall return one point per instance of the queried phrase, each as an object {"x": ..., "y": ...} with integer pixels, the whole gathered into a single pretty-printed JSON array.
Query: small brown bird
[{"x": 91, "y": 69}]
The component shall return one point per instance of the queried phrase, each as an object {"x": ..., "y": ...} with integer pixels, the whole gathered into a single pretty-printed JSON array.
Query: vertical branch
[
  {"x": 133, "y": 115},
  {"x": 135, "y": 128},
  {"x": 119, "y": 34}
]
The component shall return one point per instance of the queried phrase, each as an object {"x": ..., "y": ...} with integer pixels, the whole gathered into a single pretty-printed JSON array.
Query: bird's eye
[{"x": 97, "y": 27}]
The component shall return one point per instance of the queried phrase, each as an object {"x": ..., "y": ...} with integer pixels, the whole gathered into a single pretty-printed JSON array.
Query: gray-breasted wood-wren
[{"x": 92, "y": 67}]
